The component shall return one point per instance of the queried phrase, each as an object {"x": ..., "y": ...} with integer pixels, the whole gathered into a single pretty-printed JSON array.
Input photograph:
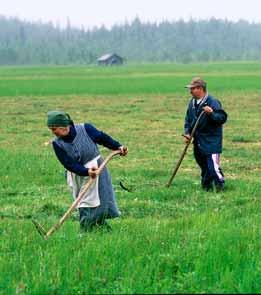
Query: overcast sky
[{"x": 91, "y": 13}]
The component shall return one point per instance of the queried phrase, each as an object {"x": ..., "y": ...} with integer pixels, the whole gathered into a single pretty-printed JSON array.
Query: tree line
[{"x": 32, "y": 43}]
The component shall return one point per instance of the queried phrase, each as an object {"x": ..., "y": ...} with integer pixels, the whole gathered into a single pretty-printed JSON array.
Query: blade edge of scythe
[{"x": 39, "y": 228}]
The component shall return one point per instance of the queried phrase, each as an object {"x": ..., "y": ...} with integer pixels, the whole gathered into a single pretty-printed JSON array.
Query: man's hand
[
  {"x": 124, "y": 150},
  {"x": 93, "y": 172},
  {"x": 186, "y": 138},
  {"x": 208, "y": 110}
]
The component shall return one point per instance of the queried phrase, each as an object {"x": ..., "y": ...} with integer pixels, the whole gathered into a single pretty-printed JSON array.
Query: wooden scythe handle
[
  {"x": 80, "y": 196},
  {"x": 185, "y": 150}
]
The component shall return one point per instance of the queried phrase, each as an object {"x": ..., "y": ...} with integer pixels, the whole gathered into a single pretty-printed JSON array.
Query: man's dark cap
[{"x": 196, "y": 82}]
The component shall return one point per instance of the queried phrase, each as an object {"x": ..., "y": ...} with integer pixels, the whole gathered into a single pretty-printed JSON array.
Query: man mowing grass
[
  {"x": 208, "y": 136},
  {"x": 76, "y": 148}
]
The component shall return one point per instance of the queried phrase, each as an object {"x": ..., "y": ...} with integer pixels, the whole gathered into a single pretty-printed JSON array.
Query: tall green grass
[{"x": 176, "y": 240}]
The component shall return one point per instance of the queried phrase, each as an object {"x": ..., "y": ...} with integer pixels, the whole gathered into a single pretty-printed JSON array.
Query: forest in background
[{"x": 37, "y": 43}]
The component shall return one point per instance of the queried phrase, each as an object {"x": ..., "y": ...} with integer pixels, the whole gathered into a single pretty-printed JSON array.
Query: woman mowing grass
[{"x": 76, "y": 148}]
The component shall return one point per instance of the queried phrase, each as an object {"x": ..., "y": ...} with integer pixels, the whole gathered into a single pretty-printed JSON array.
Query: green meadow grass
[
  {"x": 168, "y": 240},
  {"x": 133, "y": 79}
]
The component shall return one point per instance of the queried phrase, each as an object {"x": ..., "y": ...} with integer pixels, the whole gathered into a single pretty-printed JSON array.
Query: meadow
[{"x": 168, "y": 240}]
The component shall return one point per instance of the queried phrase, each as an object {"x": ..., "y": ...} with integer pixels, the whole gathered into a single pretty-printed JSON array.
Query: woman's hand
[
  {"x": 124, "y": 150},
  {"x": 93, "y": 172}
]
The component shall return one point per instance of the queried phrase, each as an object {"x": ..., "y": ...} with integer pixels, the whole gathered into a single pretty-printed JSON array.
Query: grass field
[{"x": 176, "y": 240}]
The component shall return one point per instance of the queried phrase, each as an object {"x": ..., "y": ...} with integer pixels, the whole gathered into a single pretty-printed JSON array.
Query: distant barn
[{"x": 110, "y": 60}]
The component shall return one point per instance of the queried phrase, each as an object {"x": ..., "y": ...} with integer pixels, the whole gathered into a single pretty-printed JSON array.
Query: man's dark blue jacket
[{"x": 208, "y": 135}]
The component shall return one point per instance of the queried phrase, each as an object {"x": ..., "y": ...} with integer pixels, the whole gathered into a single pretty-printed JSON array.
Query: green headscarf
[{"x": 58, "y": 119}]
